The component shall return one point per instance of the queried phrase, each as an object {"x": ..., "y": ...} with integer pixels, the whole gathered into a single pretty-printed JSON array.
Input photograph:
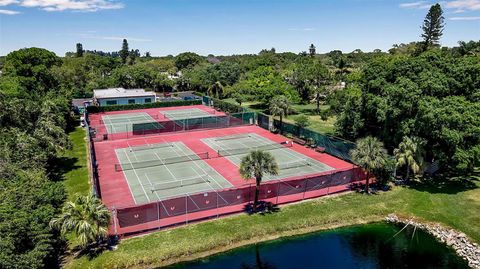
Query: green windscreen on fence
[{"x": 334, "y": 146}]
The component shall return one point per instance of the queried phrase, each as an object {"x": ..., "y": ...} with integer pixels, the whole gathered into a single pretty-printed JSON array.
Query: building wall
[{"x": 125, "y": 101}]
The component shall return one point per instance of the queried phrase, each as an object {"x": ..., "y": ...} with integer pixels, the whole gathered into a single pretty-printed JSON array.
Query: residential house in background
[{"x": 121, "y": 96}]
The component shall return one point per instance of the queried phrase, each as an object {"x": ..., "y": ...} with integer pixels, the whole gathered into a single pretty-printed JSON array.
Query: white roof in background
[{"x": 120, "y": 92}]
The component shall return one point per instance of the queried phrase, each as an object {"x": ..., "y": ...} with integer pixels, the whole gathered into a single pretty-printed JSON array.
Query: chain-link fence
[
  {"x": 212, "y": 204},
  {"x": 334, "y": 146},
  {"x": 99, "y": 131},
  {"x": 93, "y": 161}
]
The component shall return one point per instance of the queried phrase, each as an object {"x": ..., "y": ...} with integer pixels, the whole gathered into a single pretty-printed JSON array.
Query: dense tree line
[
  {"x": 34, "y": 114},
  {"x": 434, "y": 96}
]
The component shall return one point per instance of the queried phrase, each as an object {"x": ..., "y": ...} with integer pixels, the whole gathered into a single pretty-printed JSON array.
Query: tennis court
[
  {"x": 121, "y": 123},
  {"x": 158, "y": 171},
  {"x": 189, "y": 113},
  {"x": 290, "y": 162}
]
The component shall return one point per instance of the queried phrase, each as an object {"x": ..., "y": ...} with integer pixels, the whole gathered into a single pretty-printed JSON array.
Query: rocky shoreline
[{"x": 466, "y": 249}]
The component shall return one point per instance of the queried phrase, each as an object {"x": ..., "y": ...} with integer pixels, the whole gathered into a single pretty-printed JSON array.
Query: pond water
[{"x": 366, "y": 246}]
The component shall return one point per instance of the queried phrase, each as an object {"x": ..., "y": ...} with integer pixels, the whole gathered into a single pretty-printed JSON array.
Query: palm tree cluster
[
  {"x": 86, "y": 217},
  {"x": 410, "y": 154},
  {"x": 369, "y": 154}
]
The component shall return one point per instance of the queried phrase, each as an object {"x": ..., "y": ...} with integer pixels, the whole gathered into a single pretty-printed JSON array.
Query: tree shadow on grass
[
  {"x": 60, "y": 166},
  {"x": 263, "y": 208},
  {"x": 447, "y": 184},
  {"x": 94, "y": 250}
]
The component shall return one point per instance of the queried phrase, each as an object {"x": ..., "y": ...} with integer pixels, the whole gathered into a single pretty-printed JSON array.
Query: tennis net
[
  {"x": 151, "y": 163},
  {"x": 238, "y": 151},
  {"x": 232, "y": 137},
  {"x": 294, "y": 164},
  {"x": 151, "y": 146},
  {"x": 179, "y": 183}
]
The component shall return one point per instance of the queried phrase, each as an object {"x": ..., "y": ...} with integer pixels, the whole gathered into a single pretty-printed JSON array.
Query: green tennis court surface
[
  {"x": 189, "y": 113},
  {"x": 290, "y": 162},
  {"x": 121, "y": 123},
  {"x": 159, "y": 171}
]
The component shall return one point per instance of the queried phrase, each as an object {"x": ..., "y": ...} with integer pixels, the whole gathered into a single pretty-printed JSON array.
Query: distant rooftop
[
  {"x": 120, "y": 92},
  {"x": 80, "y": 102}
]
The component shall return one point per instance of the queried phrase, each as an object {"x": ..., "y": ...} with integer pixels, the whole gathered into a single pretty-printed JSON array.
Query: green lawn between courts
[
  {"x": 316, "y": 123},
  {"x": 453, "y": 205},
  {"x": 76, "y": 179}
]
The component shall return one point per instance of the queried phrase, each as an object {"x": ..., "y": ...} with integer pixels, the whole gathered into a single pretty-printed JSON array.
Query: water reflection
[{"x": 368, "y": 246}]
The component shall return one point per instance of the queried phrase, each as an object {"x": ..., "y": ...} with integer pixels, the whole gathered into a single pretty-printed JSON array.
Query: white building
[{"x": 121, "y": 96}]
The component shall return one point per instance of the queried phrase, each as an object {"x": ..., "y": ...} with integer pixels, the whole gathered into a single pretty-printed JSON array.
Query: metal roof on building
[{"x": 120, "y": 93}]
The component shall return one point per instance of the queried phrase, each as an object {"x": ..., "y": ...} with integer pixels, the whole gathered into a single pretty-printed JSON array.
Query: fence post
[
  {"x": 114, "y": 213},
  {"x": 305, "y": 190},
  {"x": 278, "y": 191},
  {"x": 186, "y": 208}
]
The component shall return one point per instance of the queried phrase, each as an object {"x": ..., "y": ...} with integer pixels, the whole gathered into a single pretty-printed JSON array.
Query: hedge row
[
  {"x": 226, "y": 106},
  {"x": 95, "y": 109}
]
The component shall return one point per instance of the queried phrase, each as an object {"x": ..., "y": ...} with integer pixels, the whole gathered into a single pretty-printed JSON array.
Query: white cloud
[
  {"x": 470, "y": 5},
  {"x": 61, "y": 5},
  {"x": 7, "y": 2},
  {"x": 415, "y": 5},
  {"x": 465, "y": 18},
  {"x": 8, "y": 12},
  {"x": 453, "y": 6}
]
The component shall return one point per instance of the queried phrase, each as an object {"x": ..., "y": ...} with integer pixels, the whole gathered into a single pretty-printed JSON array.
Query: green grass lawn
[
  {"x": 76, "y": 179},
  {"x": 454, "y": 204},
  {"x": 316, "y": 123}
]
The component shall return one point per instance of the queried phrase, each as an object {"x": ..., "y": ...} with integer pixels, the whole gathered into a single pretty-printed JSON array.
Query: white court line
[
  {"x": 126, "y": 178},
  {"x": 156, "y": 194},
  {"x": 138, "y": 178},
  {"x": 196, "y": 164}
]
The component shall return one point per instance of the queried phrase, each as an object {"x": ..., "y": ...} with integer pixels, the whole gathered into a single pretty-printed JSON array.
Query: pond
[{"x": 378, "y": 245}]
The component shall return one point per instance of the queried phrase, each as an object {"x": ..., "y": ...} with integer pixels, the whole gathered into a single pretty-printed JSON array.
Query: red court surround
[{"x": 116, "y": 193}]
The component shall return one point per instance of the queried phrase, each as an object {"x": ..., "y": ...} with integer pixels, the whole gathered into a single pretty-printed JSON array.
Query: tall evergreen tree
[
  {"x": 124, "y": 52},
  {"x": 312, "y": 50},
  {"x": 79, "y": 50},
  {"x": 433, "y": 27},
  {"x": 133, "y": 57}
]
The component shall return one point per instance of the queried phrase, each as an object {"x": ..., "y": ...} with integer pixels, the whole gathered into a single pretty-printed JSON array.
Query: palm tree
[
  {"x": 216, "y": 90},
  {"x": 369, "y": 154},
  {"x": 86, "y": 217},
  {"x": 280, "y": 106},
  {"x": 410, "y": 153},
  {"x": 255, "y": 165}
]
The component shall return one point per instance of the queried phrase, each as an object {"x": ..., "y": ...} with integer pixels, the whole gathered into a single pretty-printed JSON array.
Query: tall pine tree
[
  {"x": 124, "y": 52},
  {"x": 79, "y": 50},
  {"x": 433, "y": 27}
]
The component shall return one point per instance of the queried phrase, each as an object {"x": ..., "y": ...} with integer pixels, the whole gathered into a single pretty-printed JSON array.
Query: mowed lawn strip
[
  {"x": 76, "y": 179},
  {"x": 458, "y": 209}
]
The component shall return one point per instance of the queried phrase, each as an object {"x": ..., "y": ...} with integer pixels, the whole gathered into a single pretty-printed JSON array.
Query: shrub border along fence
[{"x": 97, "y": 109}]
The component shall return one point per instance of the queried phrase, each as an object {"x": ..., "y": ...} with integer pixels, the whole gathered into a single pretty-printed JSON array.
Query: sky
[{"x": 226, "y": 27}]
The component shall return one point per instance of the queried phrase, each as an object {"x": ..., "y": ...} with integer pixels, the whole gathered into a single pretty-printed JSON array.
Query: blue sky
[{"x": 226, "y": 27}]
